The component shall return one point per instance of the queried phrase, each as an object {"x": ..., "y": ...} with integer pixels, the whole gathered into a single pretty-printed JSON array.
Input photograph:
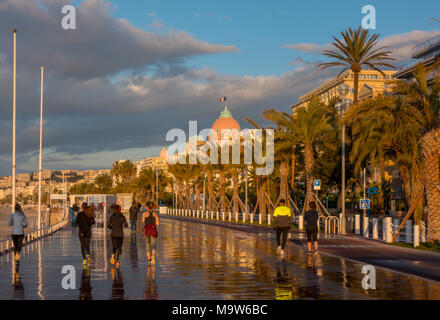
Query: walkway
[{"x": 197, "y": 261}]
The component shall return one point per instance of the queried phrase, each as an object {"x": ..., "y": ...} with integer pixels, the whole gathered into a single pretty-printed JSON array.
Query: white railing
[
  {"x": 411, "y": 234},
  {"x": 6, "y": 245}
]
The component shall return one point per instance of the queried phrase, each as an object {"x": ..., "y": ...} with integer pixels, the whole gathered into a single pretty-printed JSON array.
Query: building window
[{"x": 374, "y": 76}]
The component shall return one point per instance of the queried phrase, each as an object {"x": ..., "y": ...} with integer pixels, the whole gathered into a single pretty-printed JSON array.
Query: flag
[{"x": 223, "y": 99}]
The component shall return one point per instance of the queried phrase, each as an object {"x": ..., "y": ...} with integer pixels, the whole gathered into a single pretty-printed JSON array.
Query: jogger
[
  {"x": 282, "y": 217},
  {"x": 18, "y": 221},
  {"x": 116, "y": 223},
  {"x": 311, "y": 220},
  {"x": 150, "y": 220},
  {"x": 134, "y": 210},
  {"x": 84, "y": 220}
]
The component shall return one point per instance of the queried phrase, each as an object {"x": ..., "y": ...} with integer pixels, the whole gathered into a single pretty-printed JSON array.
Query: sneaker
[
  {"x": 118, "y": 264},
  {"x": 279, "y": 250},
  {"x": 112, "y": 259},
  {"x": 282, "y": 252},
  {"x": 84, "y": 262},
  {"x": 149, "y": 262},
  {"x": 17, "y": 257},
  {"x": 315, "y": 252},
  {"x": 153, "y": 260},
  {"x": 89, "y": 259}
]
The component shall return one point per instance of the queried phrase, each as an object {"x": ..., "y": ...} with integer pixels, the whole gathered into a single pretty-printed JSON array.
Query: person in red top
[{"x": 150, "y": 219}]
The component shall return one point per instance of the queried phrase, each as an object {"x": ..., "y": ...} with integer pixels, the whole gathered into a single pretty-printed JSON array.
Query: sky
[{"x": 134, "y": 69}]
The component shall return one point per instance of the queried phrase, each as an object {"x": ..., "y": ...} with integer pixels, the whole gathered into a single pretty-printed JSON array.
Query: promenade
[{"x": 198, "y": 261}]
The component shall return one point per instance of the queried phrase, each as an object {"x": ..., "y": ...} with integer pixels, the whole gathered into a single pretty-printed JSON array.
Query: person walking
[
  {"x": 18, "y": 221},
  {"x": 311, "y": 221},
  {"x": 134, "y": 211},
  {"x": 74, "y": 213},
  {"x": 84, "y": 220},
  {"x": 150, "y": 219},
  {"x": 282, "y": 216},
  {"x": 117, "y": 223}
]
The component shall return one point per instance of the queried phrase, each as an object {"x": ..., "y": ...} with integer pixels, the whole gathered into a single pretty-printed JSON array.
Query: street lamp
[
  {"x": 343, "y": 90},
  {"x": 157, "y": 185},
  {"x": 246, "y": 190}
]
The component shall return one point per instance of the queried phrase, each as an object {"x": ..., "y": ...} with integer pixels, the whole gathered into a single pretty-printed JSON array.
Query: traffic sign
[
  {"x": 316, "y": 184},
  {"x": 365, "y": 204}
]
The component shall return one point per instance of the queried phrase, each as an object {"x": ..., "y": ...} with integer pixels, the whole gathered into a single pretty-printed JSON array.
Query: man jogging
[
  {"x": 311, "y": 220},
  {"x": 282, "y": 217},
  {"x": 116, "y": 223}
]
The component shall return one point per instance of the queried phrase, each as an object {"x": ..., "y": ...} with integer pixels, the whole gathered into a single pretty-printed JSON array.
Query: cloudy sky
[{"x": 133, "y": 69}]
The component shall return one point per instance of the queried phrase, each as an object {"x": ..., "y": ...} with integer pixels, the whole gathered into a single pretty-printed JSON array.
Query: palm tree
[
  {"x": 357, "y": 49},
  {"x": 421, "y": 101}
]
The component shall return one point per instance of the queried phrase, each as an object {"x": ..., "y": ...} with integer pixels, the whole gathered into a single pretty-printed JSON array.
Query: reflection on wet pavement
[{"x": 196, "y": 261}]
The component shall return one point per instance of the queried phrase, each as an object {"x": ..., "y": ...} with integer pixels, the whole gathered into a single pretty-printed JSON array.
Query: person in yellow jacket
[{"x": 282, "y": 217}]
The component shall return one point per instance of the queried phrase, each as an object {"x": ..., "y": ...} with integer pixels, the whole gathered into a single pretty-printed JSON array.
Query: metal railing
[{"x": 7, "y": 245}]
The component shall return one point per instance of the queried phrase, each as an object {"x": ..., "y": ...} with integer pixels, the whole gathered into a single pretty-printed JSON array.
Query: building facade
[{"x": 371, "y": 84}]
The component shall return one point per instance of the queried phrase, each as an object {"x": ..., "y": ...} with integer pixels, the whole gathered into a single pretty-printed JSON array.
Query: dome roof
[
  {"x": 163, "y": 153},
  {"x": 225, "y": 122}
]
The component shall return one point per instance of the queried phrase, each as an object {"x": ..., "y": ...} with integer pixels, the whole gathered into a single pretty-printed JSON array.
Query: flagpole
[
  {"x": 14, "y": 100},
  {"x": 41, "y": 149}
]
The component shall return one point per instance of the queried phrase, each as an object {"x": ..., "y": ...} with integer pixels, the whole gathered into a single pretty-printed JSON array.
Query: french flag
[{"x": 222, "y": 99}]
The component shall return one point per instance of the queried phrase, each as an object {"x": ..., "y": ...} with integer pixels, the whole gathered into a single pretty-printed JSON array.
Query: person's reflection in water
[
  {"x": 312, "y": 290},
  {"x": 118, "y": 285},
  {"x": 18, "y": 293},
  {"x": 283, "y": 284},
  {"x": 133, "y": 251},
  {"x": 85, "y": 291},
  {"x": 150, "y": 292}
]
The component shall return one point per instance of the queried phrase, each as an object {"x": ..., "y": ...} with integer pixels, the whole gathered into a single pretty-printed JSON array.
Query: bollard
[
  {"x": 269, "y": 220},
  {"x": 236, "y": 216},
  {"x": 366, "y": 227},
  {"x": 197, "y": 213},
  {"x": 244, "y": 217},
  {"x": 357, "y": 224},
  {"x": 388, "y": 235},
  {"x": 408, "y": 232},
  {"x": 252, "y": 218},
  {"x": 396, "y": 224},
  {"x": 229, "y": 216},
  {"x": 340, "y": 223},
  {"x": 216, "y": 215},
  {"x": 301, "y": 222},
  {"x": 416, "y": 235},
  {"x": 375, "y": 228},
  {"x": 260, "y": 219}
]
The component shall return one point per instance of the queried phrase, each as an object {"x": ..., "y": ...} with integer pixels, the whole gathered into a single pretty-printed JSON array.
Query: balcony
[{"x": 426, "y": 48}]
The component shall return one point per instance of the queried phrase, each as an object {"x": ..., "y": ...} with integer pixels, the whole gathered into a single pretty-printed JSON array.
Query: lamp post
[
  {"x": 14, "y": 100},
  {"x": 204, "y": 192},
  {"x": 343, "y": 90},
  {"x": 246, "y": 191},
  {"x": 157, "y": 185},
  {"x": 41, "y": 149}
]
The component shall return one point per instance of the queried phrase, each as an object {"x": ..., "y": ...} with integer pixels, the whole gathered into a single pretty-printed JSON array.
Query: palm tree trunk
[
  {"x": 235, "y": 192},
  {"x": 431, "y": 155},
  {"x": 309, "y": 162},
  {"x": 222, "y": 181},
  {"x": 284, "y": 174},
  {"x": 356, "y": 87}
]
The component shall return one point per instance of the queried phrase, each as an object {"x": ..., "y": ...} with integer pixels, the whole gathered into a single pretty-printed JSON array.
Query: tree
[
  {"x": 103, "y": 183},
  {"x": 123, "y": 171},
  {"x": 357, "y": 49}
]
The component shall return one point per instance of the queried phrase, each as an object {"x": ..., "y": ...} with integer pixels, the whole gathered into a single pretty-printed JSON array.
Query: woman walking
[
  {"x": 18, "y": 221},
  {"x": 84, "y": 220},
  {"x": 311, "y": 220},
  {"x": 150, "y": 220},
  {"x": 117, "y": 223}
]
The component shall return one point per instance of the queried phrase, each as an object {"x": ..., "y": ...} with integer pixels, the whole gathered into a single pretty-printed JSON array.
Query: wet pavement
[{"x": 196, "y": 261}]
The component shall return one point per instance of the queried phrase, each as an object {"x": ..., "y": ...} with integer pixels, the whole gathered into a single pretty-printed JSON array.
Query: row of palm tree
[{"x": 403, "y": 127}]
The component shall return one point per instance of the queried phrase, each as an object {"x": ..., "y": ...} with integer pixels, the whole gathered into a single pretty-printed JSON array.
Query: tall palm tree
[
  {"x": 357, "y": 49},
  {"x": 421, "y": 101}
]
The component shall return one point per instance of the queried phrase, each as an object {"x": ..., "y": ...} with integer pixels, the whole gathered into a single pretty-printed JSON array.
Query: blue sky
[
  {"x": 260, "y": 28},
  {"x": 134, "y": 69}
]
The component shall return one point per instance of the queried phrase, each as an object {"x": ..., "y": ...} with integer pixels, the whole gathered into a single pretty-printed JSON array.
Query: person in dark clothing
[
  {"x": 134, "y": 211},
  {"x": 282, "y": 217},
  {"x": 84, "y": 220},
  {"x": 311, "y": 220},
  {"x": 116, "y": 223},
  {"x": 18, "y": 222}
]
